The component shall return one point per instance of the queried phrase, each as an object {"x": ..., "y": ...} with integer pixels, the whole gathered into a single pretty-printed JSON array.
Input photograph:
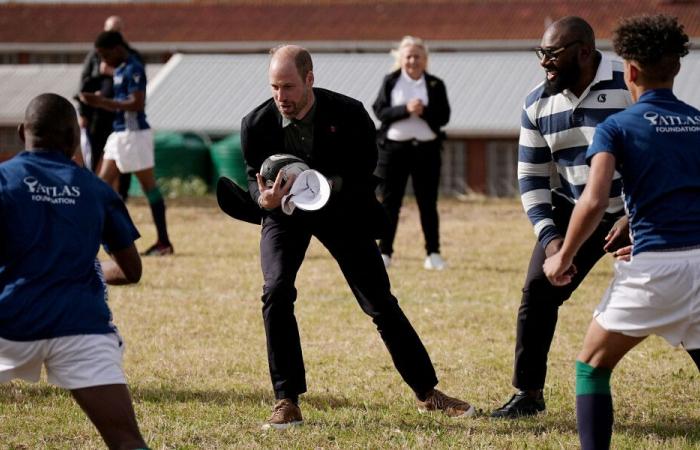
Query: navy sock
[
  {"x": 155, "y": 201},
  {"x": 594, "y": 409}
]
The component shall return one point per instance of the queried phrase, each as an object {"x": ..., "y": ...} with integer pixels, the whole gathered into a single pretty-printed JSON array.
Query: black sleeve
[
  {"x": 88, "y": 71},
  {"x": 358, "y": 169},
  {"x": 386, "y": 113},
  {"x": 89, "y": 77},
  {"x": 437, "y": 113},
  {"x": 247, "y": 144}
]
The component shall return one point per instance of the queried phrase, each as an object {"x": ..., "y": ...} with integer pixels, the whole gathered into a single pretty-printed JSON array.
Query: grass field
[{"x": 197, "y": 367}]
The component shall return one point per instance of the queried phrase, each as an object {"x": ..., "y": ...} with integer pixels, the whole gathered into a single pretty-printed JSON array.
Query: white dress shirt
[{"x": 413, "y": 127}]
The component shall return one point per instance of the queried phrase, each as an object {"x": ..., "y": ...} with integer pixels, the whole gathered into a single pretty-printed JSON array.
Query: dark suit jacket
[
  {"x": 436, "y": 114},
  {"x": 344, "y": 148}
]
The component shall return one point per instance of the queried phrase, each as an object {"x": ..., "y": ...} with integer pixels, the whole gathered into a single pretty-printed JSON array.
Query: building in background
[{"x": 480, "y": 48}]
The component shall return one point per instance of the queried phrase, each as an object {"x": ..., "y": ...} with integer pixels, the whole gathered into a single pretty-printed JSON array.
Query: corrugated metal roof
[
  {"x": 212, "y": 93},
  {"x": 20, "y": 83}
]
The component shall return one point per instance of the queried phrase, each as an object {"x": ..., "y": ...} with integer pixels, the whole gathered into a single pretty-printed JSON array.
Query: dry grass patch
[{"x": 196, "y": 360}]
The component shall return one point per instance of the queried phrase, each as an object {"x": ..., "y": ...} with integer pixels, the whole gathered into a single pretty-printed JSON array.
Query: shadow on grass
[
  {"x": 671, "y": 427},
  {"x": 227, "y": 397},
  {"x": 15, "y": 392}
]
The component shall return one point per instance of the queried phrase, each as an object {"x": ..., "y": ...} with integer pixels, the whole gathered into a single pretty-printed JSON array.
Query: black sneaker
[{"x": 521, "y": 404}]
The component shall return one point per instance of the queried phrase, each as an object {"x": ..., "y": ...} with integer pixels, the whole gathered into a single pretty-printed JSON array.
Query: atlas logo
[
  {"x": 53, "y": 194},
  {"x": 602, "y": 98},
  {"x": 656, "y": 119},
  {"x": 31, "y": 183}
]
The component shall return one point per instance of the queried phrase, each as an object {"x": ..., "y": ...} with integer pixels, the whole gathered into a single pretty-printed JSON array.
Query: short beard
[
  {"x": 299, "y": 106},
  {"x": 565, "y": 80}
]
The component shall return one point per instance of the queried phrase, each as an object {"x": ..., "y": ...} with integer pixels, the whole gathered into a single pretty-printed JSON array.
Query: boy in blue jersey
[
  {"x": 129, "y": 149},
  {"x": 655, "y": 146},
  {"x": 53, "y": 308}
]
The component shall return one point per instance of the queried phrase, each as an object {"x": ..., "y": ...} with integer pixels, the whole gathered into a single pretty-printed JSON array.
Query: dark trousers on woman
[
  {"x": 420, "y": 160},
  {"x": 539, "y": 307},
  {"x": 283, "y": 243}
]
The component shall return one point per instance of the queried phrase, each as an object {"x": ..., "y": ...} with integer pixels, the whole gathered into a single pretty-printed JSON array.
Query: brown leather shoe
[
  {"x": 285, "y": 414},
  {"x": 453, "y": 407}
]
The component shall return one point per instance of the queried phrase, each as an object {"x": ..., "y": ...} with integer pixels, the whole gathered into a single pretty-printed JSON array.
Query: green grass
[{"x": 197, "y": 367}]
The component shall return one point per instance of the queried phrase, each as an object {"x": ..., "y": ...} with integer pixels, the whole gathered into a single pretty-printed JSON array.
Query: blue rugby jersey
[
  {"x": 656, "y": 144},
  {"x": 129, "y": 77},
  {"x": 53, "y": 217},
  {"x": 555, "y": 133}
]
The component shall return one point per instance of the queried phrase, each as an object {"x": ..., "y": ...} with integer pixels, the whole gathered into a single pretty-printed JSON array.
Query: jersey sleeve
[
  {"x": 605, "y": 140},
  {"x": 534, "y": 169},
  {"x": 135, "y": 79},
  {"x": 119, "y": 231}
]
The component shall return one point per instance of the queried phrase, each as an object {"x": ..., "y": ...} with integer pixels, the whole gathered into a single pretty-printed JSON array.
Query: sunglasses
[{"x": 551, "y": 54}]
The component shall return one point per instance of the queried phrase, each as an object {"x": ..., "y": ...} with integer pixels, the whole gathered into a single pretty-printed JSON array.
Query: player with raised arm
[{"x": 655, "y": 146}]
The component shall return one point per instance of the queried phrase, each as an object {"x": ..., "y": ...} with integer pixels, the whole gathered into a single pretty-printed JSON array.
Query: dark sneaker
[
  {"x": 159, "y": 249},
  {"x": 521, "y": 404},
  {"x": 285, "y": 414},
  {"x": 453, "y": 407}
]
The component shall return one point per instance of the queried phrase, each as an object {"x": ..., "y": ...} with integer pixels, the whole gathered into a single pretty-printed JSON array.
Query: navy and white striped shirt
[{"x": 555, "y": 133}]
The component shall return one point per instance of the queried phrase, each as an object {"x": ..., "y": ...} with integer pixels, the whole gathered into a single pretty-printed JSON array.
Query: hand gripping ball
[{"x": 290, "y": 165}]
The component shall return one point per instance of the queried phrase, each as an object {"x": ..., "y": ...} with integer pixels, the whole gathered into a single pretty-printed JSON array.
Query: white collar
[
  {"x": 603, "y": 73},
  {"x": 407, "y": 78}
]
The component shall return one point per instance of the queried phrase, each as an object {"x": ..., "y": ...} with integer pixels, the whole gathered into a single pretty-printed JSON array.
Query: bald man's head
[
  {"x": 573, "y": 28},
  {"x": 299, "y": 56},
  {"x": 291, "y": 80},
  {"x": 50, "y": 123},
  {"x": 114, "y": 23}
]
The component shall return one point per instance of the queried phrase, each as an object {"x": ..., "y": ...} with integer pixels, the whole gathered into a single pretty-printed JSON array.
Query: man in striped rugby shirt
[{"x": 582, "y": 88}]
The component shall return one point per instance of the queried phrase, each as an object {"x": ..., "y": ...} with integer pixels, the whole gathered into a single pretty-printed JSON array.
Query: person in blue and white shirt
[
  {"x": 582, "y": 88},
  {"x": 655, "y": 146},
  {"x": 129, "y": 149},
  {"x": 53, "y": 305}
]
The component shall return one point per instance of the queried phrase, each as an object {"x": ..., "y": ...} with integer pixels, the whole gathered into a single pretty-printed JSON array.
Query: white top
[{"x": 412, "y": 127}]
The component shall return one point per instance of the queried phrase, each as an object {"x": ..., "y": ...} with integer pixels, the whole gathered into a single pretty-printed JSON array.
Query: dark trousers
[
  {"x": 420, "y": 160},
  {"x": 539, "y": 307},
  {"x": 284, "y": 241}
]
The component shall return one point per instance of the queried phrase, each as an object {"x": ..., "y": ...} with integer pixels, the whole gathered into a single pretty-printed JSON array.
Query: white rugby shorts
[
  {"x": 131, "y": 150},
  {"x": 655, "y": 293},
  {"x": 72, "y": 362}
]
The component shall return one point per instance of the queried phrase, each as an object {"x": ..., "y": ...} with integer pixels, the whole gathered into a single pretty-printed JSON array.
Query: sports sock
[
  {"x": 594, "y": 410},
  {"x": 695, "y": 354},
  {"x": 124, "y": 184},
  {"x": 155, "y": 201}
]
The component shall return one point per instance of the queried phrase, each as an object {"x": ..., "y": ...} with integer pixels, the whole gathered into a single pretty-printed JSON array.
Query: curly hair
[{"x": 656, "y": 43}]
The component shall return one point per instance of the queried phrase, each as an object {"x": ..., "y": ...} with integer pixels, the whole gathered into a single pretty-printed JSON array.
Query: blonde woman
[{"x": 412, "y": 106}]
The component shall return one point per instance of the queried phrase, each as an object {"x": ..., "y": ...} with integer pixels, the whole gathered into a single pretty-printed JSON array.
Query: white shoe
[
  {"x": 434, "y": 262},
  {"x": 387, "y": 260}
]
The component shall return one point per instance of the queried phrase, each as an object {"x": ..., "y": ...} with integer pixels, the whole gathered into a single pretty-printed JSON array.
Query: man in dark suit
[{"x": 334, "y": 135}]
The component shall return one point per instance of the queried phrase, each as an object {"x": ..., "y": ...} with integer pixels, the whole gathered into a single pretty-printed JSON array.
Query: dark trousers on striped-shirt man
[{"x": 540, "y": 302}]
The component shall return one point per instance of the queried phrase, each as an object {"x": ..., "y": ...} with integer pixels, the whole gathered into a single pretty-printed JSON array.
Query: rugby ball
[{"x": 288, "y": 164}]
